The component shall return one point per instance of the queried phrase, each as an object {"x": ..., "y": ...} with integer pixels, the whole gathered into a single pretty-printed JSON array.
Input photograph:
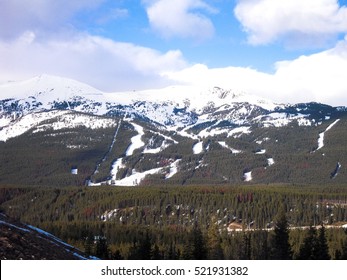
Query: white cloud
[
  {"x": 114, "y": 66},
  {"x": 180, "y": 18},
  {"x": 319, "y": 77},
  {"x": 100, "y": 62},
  {"x": 18, "y": 16},
  {"x": 301, "y": 22}
]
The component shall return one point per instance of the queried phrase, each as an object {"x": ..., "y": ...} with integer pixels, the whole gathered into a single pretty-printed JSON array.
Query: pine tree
[
  {"x": 245, "y": 252},
  {"x": 172, "y": 255},
  {"x": 89, "y": 245},
  {"x": 199, "y": 246},
  {"x": 187, "y": 253},
  {"x": 155, "y": 253},
  {"x": 117, "y": 255},
  {"x": 281, "y": 249},
  {"x": 343, "y": 255},
  {"x": 322, "y": 246},
  {"x": 308, "y": 250},
  {"x": 141, "y": 250},
  {"x": 101, "y": 250},
  {"x": 215, "y": 251},
  {"x": 145, "y": 248}
]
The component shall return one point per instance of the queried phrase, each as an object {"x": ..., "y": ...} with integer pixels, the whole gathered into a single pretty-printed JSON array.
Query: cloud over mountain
[
  {"x": 318, "y": 77},
  {"x": 306, "y": 22},
  {"x": 102, "y": 62}
]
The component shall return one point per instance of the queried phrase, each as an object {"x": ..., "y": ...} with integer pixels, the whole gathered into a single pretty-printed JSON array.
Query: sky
[{"x": 284, "y": 50}]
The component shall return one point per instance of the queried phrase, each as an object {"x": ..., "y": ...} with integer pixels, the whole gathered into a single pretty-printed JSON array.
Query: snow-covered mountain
[
  {"x": 176, "y": 107},
  {"x": 164, "y": 132}
]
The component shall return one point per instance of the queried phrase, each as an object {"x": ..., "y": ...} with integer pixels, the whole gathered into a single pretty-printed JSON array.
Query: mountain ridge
[{"x": 178, "y": 134}]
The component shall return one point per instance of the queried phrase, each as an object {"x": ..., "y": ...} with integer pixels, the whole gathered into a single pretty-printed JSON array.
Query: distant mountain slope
[
  {"x": 21, "y": 241},
  {"x": 56, "y": 131}
]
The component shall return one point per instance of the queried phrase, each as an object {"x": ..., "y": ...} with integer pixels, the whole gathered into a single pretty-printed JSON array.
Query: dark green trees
[
  {"x": 195, "y": 246},
  {"x": 315, "y": 246},
  {"x": 308, "y": 249},
  {"x": 322, "y": 248},
  {"x": 281, "y": 249},
  {"x": 215, "y": 251},
  {"x": 101, "y": 250}
]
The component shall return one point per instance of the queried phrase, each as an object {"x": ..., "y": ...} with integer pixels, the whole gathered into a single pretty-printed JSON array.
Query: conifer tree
[
  {"x": 172, "y": 255},
  {"x": 215, "y": 251},
  {"x": 309, "y": 247},
  {"x": 101, "y": 250},
  {"x": 145, "y": 248},
  {"x": 245, "y": 253},
  {"x": 117, "y": 255},
  {"x": 343, "y": 255},
  {"x": 199, "y": 246},
  {"x": 141, "y": 250},
  {"x": 281, "y": 249},
  {"x": 322, "y": 246},
  {"x": 155, "y": 253},
  {"x": 89, "y": 244}
]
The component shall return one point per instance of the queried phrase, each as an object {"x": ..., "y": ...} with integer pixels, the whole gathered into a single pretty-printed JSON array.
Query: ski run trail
[
  {"x": 110, "y": 148},
  {"x": 321, "y": 135}
]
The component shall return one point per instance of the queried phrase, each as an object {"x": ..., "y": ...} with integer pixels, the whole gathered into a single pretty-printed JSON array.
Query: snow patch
[
  {"x": 198, "y": 148},
  {"x": 261, "y": 152},
  {"x": 136, "y": 141},
  {"x": 283, "y": 119},
  {"x": 163, "y": 146},
  {"x": 224, "y": 145},
  {"x": 118, "y": 164},
  {"x": 235, "y": 132},
  {"x": 270, "y": 161},
  {"x": 173, "y": 169},
  {"x": 136, "y": 177},
  {"x": 322, "y": 135},
  {"x": 247, "y": 176}
]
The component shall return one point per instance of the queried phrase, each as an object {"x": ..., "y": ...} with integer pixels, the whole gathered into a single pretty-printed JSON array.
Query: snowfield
[
  {"x": 64, "y": 119},
  {"x": 24, "y": 124},
  {"x": 283, "y": 119},
  {"x": 73, "y": 121}
]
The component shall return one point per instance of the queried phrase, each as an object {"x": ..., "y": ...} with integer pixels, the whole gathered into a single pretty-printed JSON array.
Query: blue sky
[{"x": 287, "y": 51}]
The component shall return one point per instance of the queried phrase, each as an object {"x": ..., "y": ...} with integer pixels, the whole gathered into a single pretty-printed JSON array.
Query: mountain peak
[
  {"x": 225, "y": 93},
  {"x": 47, "y": 86}
]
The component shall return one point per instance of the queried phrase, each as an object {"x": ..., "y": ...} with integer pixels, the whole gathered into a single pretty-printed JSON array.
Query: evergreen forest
[{"x": 257, "y": 222}]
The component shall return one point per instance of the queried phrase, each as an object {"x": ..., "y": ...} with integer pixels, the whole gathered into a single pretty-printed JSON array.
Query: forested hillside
[
  {"x": 128, "y": 152},
  {"x": 225, "y": 222}
]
